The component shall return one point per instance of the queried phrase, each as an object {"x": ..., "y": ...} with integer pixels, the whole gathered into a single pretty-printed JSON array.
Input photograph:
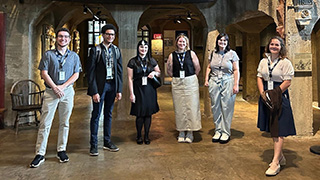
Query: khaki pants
[{"x": 50, "y": 104}]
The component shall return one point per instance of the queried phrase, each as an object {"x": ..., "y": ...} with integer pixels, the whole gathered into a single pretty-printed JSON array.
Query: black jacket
[{"x": 96, "y": 71}]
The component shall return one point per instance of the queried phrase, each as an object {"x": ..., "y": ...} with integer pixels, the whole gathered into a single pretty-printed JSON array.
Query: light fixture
[
  {"x": 85, "y": 9},
  {"x": 189, "y": 16},
  {"x": 178, "y": 21}
]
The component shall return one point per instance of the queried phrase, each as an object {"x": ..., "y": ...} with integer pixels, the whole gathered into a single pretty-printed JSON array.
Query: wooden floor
[{"x": 245, "y": 157}]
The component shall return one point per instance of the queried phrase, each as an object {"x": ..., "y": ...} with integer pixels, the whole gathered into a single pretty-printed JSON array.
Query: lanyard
[
  {"x": 181, "y": 59},
  {"x": 144, "y": 66},
  {"x": 271, "y": 69},
  {"x": 62, "y": 59},
  {"x": 221, "y": 59},
  {"x": 108, "y": 55}
]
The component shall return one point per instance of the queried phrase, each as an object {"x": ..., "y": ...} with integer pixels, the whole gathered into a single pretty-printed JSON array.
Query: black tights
[{"x": 146, "y": 120}]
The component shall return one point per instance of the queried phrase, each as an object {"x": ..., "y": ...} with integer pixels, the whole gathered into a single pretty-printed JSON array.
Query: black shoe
[
  {"x": 62, "y": 156},
  {"x": 94, "y": 151},
  {"x": 139, "y": 140},
  {"x": 110, "y": 147},
  {"x": 37, "y": 161},
  {"x": 147, "y": 141}
]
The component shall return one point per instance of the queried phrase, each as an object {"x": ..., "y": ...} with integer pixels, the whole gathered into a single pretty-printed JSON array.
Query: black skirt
[
  {"x": 146, "y": 99},
  {"x": 285, "y": 122}
]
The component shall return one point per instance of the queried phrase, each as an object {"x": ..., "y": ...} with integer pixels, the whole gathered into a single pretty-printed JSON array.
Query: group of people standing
[{"x": 60, "y": 69}]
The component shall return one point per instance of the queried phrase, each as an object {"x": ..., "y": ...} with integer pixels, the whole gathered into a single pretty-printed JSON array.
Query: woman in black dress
[{"x": 143, "y": 96}]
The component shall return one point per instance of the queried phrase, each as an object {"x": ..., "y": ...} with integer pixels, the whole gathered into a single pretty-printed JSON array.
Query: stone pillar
[
  {"x": 298, "y": 43},
  {"x": 2, "y": 57},
  {"x": 315, "y": 74},
  {"x": 211, "y": 43},
  {"x": 127, "y": 18},
  {"x": 250, "y": 62}
]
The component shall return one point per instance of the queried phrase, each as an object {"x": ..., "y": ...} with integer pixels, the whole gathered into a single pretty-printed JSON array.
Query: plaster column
[
  {"x": 251, "y": 58},
  {"x": 127, "y": 18}
]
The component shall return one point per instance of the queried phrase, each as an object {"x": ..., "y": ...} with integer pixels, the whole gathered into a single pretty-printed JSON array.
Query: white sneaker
[
  {"x": 189, "y": 137},
  {"x": 188, "y": 140},
  {"x": 216, "y": 137}
]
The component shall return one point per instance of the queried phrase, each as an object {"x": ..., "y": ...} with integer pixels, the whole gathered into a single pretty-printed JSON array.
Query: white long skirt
[{"x": 186, "y": 101}]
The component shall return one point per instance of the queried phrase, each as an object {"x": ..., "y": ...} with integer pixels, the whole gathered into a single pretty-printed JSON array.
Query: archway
[
  {"x": 71, "y": 16},
  {"x": 170, "y": 20},
  {"x": 249, "y": 35},
  {"x": 315, "y": 44}
]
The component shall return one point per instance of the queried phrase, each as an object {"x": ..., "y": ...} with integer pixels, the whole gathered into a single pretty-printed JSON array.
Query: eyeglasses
[
  {"x": 109, "y": 34},
  {"x": 62, "y": 36}
]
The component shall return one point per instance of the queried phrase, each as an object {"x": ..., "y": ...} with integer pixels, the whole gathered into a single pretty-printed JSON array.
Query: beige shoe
[
  {"x": 271, "y": 172},
  {"x": 225, "y": 138},
  {"x": 216, "y": 137}
]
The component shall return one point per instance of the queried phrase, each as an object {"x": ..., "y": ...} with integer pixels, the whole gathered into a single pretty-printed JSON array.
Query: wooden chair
[{"x": 26, "y": 96}]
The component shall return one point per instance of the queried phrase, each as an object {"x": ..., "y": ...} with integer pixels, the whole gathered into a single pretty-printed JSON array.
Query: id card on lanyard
[
  {"x": 109, "y": 71},
  {"x": 270, "y": 85},
  {"x": 144, "y": 68},
  {"x": 182, "y": 74},
  {"x": 144, "y": 80}
]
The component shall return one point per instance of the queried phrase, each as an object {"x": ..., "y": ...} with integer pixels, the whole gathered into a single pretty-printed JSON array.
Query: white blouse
[{"x": 282, "y": 71}]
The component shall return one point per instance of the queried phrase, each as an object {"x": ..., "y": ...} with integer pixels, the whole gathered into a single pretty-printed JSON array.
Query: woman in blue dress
[{"x": 275, "y": 71}]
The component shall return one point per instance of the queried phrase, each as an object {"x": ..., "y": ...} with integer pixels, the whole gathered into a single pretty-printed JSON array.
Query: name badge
[
  {"x": 62, "y": 75},
  {"x": 219, "y": 74},
  {"x": 182, "y": 74},
  {"x": 270, "y": 85},
  {"x": 144, "y": 80},
  {"x": 109, "y": 72}
]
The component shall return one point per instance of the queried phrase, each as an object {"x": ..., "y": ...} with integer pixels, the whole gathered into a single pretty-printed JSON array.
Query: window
[
  {"x": 143, "y": 33},
  {"x": 94, "y": 35}
]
